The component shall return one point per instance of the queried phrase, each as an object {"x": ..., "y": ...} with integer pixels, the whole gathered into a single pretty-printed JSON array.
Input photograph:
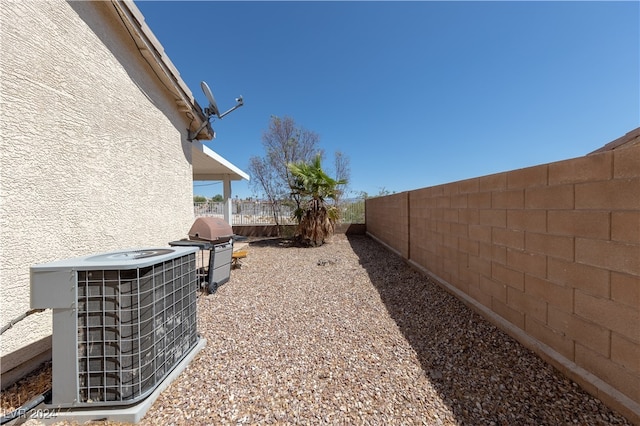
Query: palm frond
[{"x": 310, "y": 182}]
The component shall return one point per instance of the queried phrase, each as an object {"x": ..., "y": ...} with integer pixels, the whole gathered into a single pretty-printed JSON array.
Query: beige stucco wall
[{"x": 94, "y": 155}]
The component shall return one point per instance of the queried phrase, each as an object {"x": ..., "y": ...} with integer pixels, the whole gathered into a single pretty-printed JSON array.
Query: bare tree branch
[
  {"x": 343, "y": 172},
  {"x": 285, "y": 143}
]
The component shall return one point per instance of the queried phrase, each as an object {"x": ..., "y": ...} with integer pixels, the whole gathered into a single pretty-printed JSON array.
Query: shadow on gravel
[
  {"x": 281, "y": 242},
  {"x": 482, "y": 374},
  {"x": 272, "y": 242}
]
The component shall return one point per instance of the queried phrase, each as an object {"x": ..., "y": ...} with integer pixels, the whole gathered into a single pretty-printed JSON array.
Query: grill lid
[{"x": 210, "y": 229}]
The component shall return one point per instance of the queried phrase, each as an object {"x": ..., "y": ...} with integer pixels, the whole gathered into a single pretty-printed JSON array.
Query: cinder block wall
[
  {"x": 550, "y": 253},
  {"x": 389, "y": 221}
]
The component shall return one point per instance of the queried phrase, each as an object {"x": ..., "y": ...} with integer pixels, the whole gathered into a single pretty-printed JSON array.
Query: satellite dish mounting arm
[
  {"x": 195, "y": 134},
  {"x": 239, "y": 103},
  {"x": 212, "y": 110}
]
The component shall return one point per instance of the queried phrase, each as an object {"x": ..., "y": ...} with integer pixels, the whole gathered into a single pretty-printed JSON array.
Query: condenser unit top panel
[
  {"x": 53, "y": 285},
  {"x": 121, "y": 259}
]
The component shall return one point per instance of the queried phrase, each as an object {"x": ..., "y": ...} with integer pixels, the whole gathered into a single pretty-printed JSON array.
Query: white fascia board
[{"x": 231, "y": 169}]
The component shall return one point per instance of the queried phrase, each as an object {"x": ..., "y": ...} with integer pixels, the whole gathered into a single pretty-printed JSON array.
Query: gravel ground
[{"x": 347, "y": 333}]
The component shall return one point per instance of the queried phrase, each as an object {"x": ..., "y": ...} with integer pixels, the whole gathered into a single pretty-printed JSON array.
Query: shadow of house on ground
[{"x": 479, "y": 371}]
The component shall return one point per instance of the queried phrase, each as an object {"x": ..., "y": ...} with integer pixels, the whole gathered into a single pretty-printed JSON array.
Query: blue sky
[{"x": 414, "y": 93}]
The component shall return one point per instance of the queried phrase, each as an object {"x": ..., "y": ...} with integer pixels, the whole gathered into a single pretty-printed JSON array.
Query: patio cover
[{"x": 208, "y": 165}]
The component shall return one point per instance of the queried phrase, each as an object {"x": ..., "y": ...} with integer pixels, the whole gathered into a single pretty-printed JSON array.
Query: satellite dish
[{"x": 212, "y": 109}]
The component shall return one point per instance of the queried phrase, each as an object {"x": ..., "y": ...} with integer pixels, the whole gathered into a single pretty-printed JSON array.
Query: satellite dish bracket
[{"x": 212, "y": 110}]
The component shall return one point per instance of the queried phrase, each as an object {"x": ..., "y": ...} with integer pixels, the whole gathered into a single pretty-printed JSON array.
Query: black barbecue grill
[{"x": 216, "y": 236}]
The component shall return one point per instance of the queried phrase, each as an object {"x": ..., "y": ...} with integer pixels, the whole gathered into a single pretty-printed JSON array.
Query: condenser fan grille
[{"x": 134, "y": 327}]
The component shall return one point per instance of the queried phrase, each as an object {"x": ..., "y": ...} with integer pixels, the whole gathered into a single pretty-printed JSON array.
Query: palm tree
[{"x": 315, "y": 219}]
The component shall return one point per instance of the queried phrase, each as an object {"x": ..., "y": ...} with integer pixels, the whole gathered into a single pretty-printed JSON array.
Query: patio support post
[{"x": 227, "y": 200}]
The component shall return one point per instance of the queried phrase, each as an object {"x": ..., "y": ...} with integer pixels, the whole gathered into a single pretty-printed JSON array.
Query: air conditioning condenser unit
[{"x": 122, "y": 322}]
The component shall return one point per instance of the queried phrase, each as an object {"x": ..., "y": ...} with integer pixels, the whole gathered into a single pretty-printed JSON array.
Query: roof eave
[{"x": 153, "y": 51}]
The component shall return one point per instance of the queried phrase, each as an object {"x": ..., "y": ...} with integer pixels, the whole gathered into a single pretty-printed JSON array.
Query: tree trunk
[{"x": 315, "y": 224}]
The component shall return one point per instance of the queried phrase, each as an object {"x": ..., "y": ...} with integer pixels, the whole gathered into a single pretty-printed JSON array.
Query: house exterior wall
[
  {"x": 94, "y": 150},
  {"x": 550, "y": 253}
]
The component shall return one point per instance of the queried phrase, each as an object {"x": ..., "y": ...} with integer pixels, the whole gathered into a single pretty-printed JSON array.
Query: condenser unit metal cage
[{"x": 121, "y": 322}]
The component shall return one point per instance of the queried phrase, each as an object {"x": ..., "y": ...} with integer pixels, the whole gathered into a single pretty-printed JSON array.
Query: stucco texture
[{"x": 94, "y": 150}]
